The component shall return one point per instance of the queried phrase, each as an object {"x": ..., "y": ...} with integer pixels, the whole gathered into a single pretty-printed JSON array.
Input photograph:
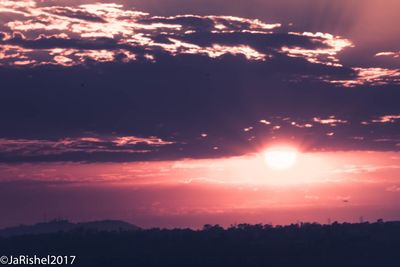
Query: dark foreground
[{"x": 338, "y": 245}]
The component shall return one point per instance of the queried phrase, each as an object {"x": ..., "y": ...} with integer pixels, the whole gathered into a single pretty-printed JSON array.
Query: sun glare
[{"x": 281, "y": 158}]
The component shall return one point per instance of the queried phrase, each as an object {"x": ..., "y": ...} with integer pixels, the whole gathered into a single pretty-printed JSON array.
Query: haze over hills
[{"x": 56, "y": 226}]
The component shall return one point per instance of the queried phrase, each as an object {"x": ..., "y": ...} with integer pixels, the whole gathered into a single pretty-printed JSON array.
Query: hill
[{"x": 56, "y": 226}]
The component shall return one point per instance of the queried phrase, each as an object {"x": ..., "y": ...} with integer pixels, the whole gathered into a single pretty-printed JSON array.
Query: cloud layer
[
  {"x": 35, "y": 35},
  {"x": 79, "y": 79}
]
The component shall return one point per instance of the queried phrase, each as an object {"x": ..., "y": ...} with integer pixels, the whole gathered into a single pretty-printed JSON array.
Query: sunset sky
[{"x": 173, "y": 113}]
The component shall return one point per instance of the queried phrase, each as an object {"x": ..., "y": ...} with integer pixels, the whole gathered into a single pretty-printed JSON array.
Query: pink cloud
[
  {"x": 108, "y": 20},
  {"x": 388, "y": 54},
  {"x": 133, "y": 140},
  {"x": 327, "y": 56},
  {"x": 393, "y": 188},
  {"x": 331, "y": 121},
  {"x": 371, "y": 76},
  {"x": 124, "y": 144},
  {"x": 107, "y": 32},
  {"x": 387, "y": 119}
]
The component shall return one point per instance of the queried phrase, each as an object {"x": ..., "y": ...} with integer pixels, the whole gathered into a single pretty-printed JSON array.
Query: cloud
[
  {"x": 362, "y": 169},
  {"x": 77, "y": 14},
  {"x": 331, "y": 121},
  {"x": 62, "y": 149},
  {"x": 388, "y": 54},
  {"x": 387, "y": 119},
  {"x": 108, "y": 32},
  {"x": 214, "y": 86},
  {"x": 326, "y": 54},
  {"x": 393, "y": 188},
  {"x": 67, "y": 31},
  {"x": 371, "y": 76},
  {"x": 180, "y": 98}
]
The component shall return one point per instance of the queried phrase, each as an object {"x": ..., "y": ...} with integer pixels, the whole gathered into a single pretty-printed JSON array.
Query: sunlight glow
[{"x": 281, "y": 158}]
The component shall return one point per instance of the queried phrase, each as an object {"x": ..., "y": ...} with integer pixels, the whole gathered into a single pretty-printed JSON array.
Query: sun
[{"x": 280, "y": 158}]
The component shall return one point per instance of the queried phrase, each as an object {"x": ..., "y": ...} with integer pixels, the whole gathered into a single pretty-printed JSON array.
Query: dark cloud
[
  {"x": 189, "y": 22},
  {"x": 78, "y": 14},
  {"x": 66, "y": 40},
  {"x": 48, "y": 42},
  {"x": 179, "y": 98},
  {"x": 212, "y": 86},
  {"x": 78, "y": 148}
]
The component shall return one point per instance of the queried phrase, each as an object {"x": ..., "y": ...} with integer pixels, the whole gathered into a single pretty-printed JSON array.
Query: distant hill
[{"x": 56, "y": 226}]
